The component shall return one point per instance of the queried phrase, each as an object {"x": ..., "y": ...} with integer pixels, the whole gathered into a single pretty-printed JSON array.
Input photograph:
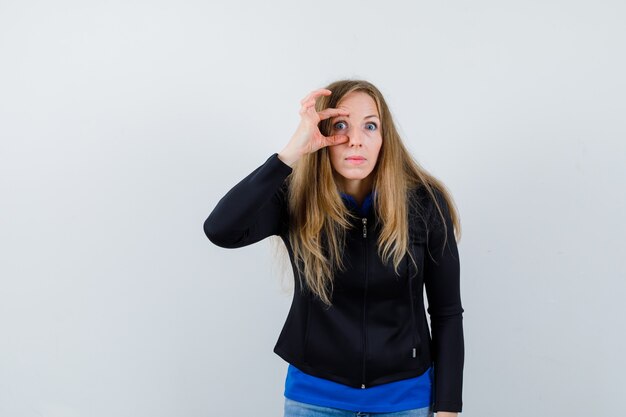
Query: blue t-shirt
[{"x": 400, "y": 395}]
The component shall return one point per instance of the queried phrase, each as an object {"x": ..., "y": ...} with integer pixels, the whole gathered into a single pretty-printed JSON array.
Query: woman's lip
[{"x": 355, "y": 159}]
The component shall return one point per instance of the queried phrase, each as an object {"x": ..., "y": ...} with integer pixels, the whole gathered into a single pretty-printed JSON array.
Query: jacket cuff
[
  {"x": 275, "y": 162},
  {"x": 452, "y": 407}
]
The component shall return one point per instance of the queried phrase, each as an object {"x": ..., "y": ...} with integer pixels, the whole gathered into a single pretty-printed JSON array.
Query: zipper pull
[
  {"x": 413, "y": 352},
  {"x": 362, "y": 386},
  {"x": 364, "y": 226}
]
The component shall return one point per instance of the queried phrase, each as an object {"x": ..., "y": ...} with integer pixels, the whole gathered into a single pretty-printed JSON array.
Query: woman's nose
[{"x": 355, "y": 137}]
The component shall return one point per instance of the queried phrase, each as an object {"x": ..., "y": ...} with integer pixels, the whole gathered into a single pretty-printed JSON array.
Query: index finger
[
  {"x": 332, "y": 112},
  {"x": 316, "y": 93}
]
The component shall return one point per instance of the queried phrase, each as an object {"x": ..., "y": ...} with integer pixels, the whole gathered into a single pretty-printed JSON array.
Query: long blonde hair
[{"x": 318, "y": 217}]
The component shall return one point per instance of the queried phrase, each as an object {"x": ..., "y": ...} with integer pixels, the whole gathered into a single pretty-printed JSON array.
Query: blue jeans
[{"x": 298, "y": 409}]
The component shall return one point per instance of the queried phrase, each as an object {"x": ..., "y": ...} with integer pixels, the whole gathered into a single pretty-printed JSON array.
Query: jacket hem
[{"x": 398, "y": 376}]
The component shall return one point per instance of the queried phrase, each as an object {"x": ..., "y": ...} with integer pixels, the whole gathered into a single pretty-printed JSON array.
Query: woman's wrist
[{"x": 288, "y": 156}]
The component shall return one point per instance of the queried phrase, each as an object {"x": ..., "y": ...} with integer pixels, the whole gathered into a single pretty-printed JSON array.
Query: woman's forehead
[{"x": 359, "y": 103}]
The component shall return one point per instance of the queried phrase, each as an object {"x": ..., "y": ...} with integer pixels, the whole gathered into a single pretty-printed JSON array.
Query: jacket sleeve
[
  {"x": 441, "y": 278},
  {"x": 253, "y": 209}
]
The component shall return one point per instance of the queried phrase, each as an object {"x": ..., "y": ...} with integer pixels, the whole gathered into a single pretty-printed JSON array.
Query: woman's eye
[
  {"x": 372, "y": 126},
  {"x": 340, "y": 125}
]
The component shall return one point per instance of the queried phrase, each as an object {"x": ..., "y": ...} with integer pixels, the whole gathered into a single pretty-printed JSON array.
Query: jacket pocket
[
  {"x": 417, "y": 241},
  {"x": 307, "y": 326}
]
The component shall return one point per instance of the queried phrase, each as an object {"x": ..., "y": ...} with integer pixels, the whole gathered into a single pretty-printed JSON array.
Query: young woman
[{"x": 366, "y": 229}]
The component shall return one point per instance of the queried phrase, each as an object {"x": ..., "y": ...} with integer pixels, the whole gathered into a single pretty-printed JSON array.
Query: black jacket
[{"x": 376, "y": 331}]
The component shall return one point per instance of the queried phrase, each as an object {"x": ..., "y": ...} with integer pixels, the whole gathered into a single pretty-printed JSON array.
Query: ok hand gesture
[{"x": 308, "y": 138}]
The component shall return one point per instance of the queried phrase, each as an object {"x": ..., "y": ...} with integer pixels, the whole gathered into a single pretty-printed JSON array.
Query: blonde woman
[{"x": 366, "y": 229}]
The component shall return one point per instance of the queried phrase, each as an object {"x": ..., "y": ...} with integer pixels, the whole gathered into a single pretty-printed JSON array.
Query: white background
[{"x": 122, "y": 123}]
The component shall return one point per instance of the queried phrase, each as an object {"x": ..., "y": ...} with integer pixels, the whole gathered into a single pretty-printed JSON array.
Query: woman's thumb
[{"x": 336, "y": 140}]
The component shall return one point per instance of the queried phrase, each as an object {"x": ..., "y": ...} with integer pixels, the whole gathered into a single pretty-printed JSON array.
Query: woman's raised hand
[{"x": 308, "y": 138}]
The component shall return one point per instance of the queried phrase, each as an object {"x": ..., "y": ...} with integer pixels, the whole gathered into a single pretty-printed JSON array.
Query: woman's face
[{"x": 362, "y": 126}]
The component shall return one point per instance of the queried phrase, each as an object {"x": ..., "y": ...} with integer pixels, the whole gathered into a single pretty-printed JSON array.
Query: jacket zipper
[{"x": 364, "y": 220}]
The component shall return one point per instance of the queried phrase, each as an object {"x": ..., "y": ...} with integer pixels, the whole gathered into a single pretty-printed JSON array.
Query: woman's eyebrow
[{"x": 348, "y": 116}]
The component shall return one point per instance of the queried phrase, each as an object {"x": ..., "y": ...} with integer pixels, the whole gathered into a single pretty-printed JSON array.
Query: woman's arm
[
  {"x": 441, "y": 278},
  {"x": 253, "y": 209}
]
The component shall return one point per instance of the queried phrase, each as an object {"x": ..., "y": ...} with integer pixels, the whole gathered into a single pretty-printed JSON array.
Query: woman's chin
[{"x": 354, "y": 174}]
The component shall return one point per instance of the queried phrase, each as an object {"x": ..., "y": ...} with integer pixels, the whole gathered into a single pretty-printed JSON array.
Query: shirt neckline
[{"x": 365, "y": 207}]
